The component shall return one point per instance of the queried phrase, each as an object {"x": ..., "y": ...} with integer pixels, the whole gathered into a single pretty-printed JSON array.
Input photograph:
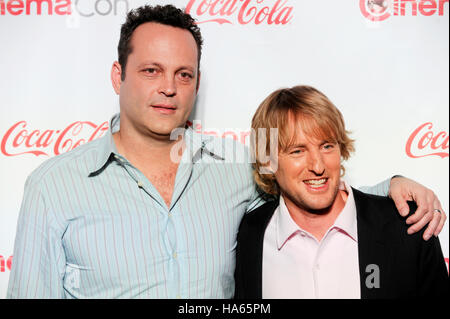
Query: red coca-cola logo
[
  {"x": 5, "y": 263},
  {"x": 241, "y": 11},
  {"x": 19, "y": 140},
  {"x": 424, "y": 141}
]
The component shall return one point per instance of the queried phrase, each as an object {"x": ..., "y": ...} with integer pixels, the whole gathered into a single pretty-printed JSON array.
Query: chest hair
[{"x": 164, "y": 182}]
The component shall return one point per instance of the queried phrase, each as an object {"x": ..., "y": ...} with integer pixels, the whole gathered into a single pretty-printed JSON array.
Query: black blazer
[{"x": 408, "y": 265}]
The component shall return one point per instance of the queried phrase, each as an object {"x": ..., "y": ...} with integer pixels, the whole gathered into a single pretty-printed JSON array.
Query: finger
[
  {"x": 401, "y": 204},
  {"x": 420, "y": 212},
  {"x": 434, "y": 223},
  {"x": 437, "y": 204},
  {"x": 441, "y": 225},
  {"x": 443, "y": 218},
  {"x": 420, "y": 224}
]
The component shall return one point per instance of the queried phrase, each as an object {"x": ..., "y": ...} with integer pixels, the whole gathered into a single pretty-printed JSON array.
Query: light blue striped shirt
[{"x": 92, "y": 226}]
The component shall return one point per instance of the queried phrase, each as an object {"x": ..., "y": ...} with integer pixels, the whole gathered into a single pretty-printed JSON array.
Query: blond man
[{"x": 321, "y": 238}]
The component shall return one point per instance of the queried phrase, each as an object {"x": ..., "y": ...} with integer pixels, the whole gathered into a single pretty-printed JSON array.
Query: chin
[
  {"x": 156, "y": 132},
  {"x": 162, "y": 129},
  {"x": 318, "y": 206}
]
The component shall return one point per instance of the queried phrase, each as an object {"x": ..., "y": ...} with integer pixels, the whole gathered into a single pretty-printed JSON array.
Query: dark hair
[{"x": 168, "y": 15}]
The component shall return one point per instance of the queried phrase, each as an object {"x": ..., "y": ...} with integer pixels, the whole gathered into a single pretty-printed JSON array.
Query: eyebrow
[
  {"x": 294, "y": 145},
  {"x": 148, "y": 63}
]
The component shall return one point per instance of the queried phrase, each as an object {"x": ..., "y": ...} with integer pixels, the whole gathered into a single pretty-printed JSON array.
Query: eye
[
  {"x": 186, "y": 76},
  {"x": 296, "y": 151},
  {"x": 150, "y": 71},
  {"x": 328, "y": 146}
]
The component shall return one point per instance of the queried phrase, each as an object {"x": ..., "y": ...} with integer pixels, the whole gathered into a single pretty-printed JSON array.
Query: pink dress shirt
[{"x": 296, "y": 265}]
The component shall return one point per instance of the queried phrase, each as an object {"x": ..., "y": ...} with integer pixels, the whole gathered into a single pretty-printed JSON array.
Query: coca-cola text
[
  {"x": 423, "y": 141},
  {"x": 5, "y": 263},
  {"x": 18, "y": 140},
  {"x": 246, "y": 11}
]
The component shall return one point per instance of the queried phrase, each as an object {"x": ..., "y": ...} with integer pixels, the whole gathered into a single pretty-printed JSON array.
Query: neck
[
  {"x": 144, "y": 150},
  {"x": 317, "y": 222}
]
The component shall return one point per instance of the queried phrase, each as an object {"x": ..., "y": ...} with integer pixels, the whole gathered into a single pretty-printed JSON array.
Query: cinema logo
[
  {"x": 84, "y": 8},
  {"x": 380, "y": 10},
  {"x": 20, "y": 140},
  {"x": 271, "y": 12},
  {"x": 425, "y": 141},
  {"x": 32, "y": 7}
]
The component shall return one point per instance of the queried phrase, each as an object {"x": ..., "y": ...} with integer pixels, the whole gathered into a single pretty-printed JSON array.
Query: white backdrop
[{"x": 388, "y": 73}]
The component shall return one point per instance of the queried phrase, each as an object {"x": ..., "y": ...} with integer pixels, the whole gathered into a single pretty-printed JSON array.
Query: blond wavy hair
[{"x": 312, "y": 110}]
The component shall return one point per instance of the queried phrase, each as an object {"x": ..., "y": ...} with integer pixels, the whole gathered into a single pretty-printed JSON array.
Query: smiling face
[
  {"x": 309, "y": 169},
  {"x": 161, "y": 82}
]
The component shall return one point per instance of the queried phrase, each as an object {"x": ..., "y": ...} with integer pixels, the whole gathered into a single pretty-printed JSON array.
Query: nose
[
  {"x": 315, "y": 163},
  {"x": 168, "y": 86}
]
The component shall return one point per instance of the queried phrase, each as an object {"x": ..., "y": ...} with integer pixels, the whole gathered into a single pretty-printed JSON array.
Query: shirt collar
[
  {"x": 107, "y": 146},
  {"x": 198, "y": 145},
  {"x": 286, "y": 227},
  {"x": 346, "y": 221}
]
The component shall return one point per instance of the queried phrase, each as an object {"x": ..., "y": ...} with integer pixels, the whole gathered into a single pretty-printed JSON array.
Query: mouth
[
  {"x": 316, "y": 184},
  {"x": 164, "y": 108}
]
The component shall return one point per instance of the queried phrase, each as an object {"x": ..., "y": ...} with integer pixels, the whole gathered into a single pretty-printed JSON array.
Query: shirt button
[
  {"x": 175, "y": 255},
  {"x": 140, "y": 184},
  {"x": 170, "y": 215}
]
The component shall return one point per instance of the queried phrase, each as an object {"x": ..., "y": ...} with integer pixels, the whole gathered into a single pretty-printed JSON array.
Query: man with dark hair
[
  {"x": 141, "y": 213},
  {"x": 167, "y": 15}
]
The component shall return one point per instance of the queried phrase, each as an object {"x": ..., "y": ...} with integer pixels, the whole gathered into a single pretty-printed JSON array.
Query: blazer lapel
[
  {"x": 254, "y": 244},
  {"x": 373, "y": 251}
]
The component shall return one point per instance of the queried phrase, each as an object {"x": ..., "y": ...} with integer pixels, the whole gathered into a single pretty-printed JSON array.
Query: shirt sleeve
[
  {"x": 38, "y": 263},
  {"x": 380, "y": 189}
]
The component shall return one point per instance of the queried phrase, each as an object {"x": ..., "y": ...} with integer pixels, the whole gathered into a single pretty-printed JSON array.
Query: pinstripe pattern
[
  {"x": 92, "y": 226},
  {"x": 103, "y": 236}
]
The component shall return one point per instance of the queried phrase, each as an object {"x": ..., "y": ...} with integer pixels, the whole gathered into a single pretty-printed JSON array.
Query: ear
[{"x": 116, "y": 76}]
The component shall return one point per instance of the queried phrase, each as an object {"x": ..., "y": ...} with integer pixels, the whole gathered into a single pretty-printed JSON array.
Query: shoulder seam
[{"x": 42, "y": 171}]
